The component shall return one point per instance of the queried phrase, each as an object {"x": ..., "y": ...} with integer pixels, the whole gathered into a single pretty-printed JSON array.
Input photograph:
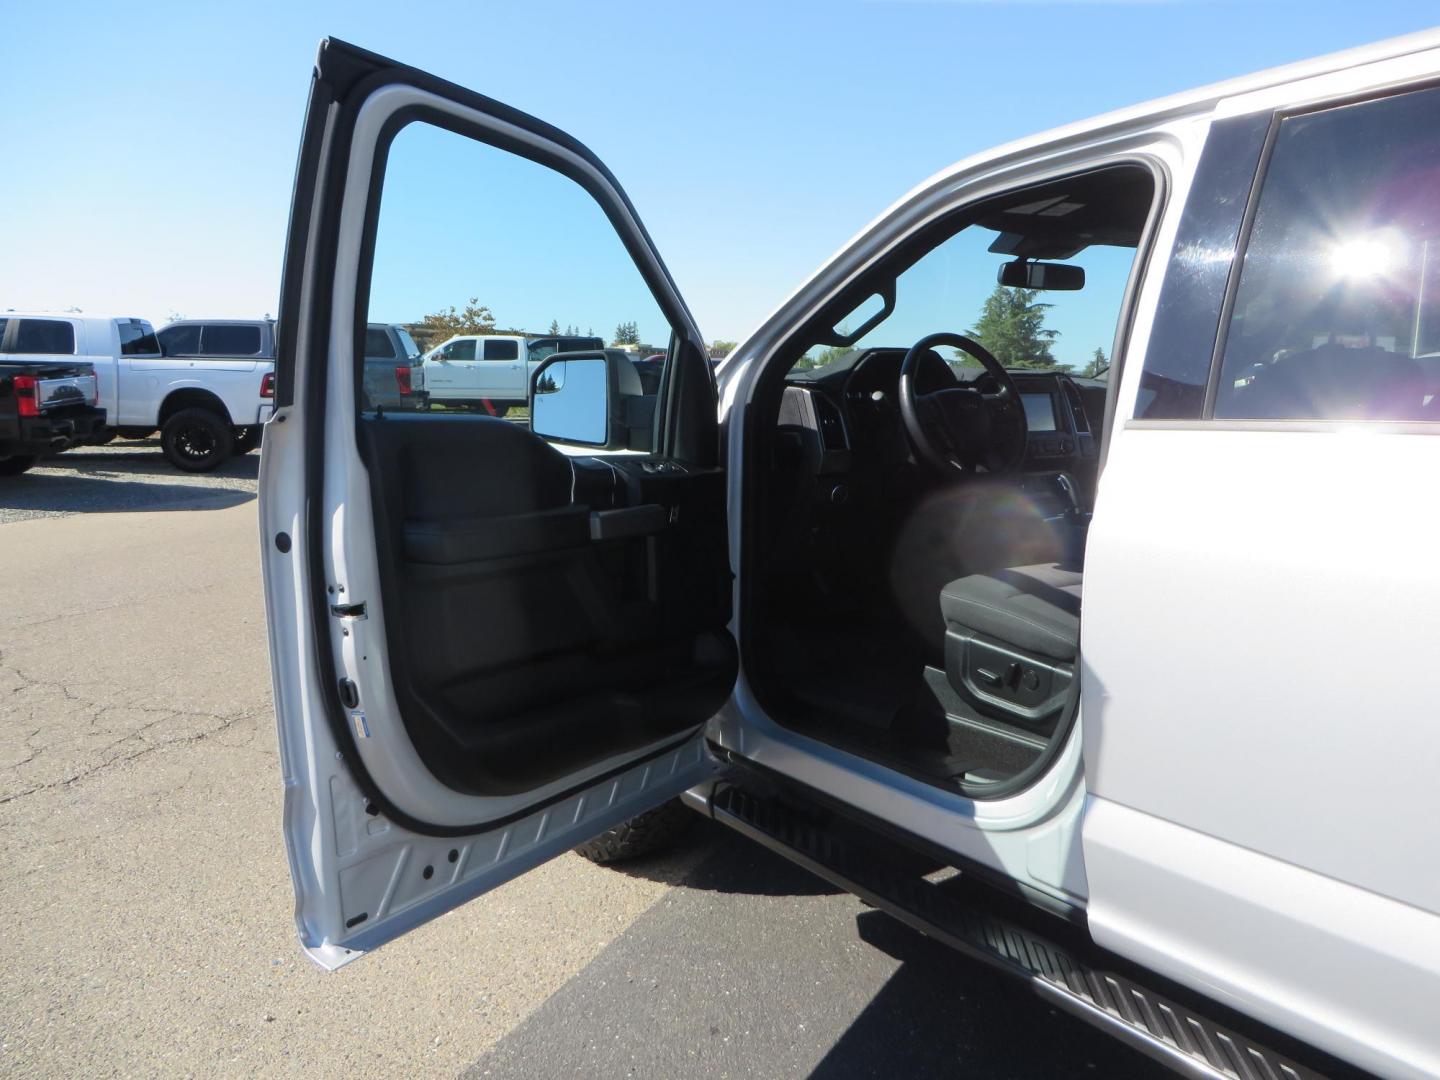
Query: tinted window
[
  {"x": 180, "y": 340},
  {"x": 222, "y": 340},
  {"x": 460, "y": 350},
  {"x": 407, "y": 343},
  {"x": 42, "y": 336},
  {"x": 502, "y": 350},
  {"x": 136, "y": 338},
  {"x": 1337, "y": 315},
  {"x": 377, "y": 344},
  {"x": 1181, "y": 352}
]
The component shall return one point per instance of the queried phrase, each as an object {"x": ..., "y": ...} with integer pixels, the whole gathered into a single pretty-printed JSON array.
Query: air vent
[
  {"x": 1077, "y": 406},
  {"x": 832, "y": 427}
]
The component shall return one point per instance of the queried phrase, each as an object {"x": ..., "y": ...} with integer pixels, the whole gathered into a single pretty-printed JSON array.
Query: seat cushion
[{"x": 1035, "y": 609}]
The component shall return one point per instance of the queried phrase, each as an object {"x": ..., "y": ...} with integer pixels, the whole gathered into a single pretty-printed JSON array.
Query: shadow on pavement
[
  {"x": 124, "y": 478},
  {"x": 82, "y": 494},
  {"x": 712, "y": 858},
  {"x": 144, "y": 457},
  {"x": 940, "y": 1010}
]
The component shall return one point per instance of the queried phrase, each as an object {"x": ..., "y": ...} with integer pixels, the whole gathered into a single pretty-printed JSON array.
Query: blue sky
[{"x": 149, "y": 149}]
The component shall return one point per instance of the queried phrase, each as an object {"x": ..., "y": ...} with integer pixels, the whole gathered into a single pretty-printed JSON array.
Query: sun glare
[{"x": 1365, "y": 258}]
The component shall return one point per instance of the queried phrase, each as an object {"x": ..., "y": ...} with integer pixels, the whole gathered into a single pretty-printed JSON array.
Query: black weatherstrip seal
[{"x": 344, "y": 77}]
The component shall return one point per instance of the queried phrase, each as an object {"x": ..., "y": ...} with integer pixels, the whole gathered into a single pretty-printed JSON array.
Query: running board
[{"x": 1173, "y": 1034}]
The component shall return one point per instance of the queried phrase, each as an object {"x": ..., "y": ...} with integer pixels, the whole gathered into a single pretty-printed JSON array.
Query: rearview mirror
[{"x": 1055, "y": 277}]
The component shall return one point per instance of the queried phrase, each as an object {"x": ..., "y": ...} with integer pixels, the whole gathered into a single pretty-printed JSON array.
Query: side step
[{"x": 1174, "y": 1034}]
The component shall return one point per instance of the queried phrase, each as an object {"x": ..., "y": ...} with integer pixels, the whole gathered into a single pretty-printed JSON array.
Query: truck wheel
[
  {"x": 643, "y": 834},
  {"x": 16, "y": 464},
  {"x": 196, "y": 440},
  {"x": 247, "y": 439}
]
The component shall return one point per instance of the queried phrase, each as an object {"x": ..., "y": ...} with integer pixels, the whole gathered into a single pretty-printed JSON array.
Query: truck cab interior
[{"x": 925, "y": 482}]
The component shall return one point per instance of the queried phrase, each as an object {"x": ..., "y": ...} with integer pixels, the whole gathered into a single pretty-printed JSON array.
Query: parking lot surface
[{"x": 146, "y": 901}]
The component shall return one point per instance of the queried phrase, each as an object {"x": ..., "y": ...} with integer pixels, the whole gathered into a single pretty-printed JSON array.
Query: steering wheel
[{"x": 958, "y": 428}]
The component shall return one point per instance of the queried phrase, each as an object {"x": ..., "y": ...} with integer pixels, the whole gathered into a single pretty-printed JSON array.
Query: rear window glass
[
  {"x": 42, "y": 336},
  {"x": 377, "y": 343},
  {"x": 502, "y": 350},
  {"x": 180, "y": 340},
  {"x": 1337, "y": 316},
  {"x": 137, "y": 338},
  {"x": 223, "y": 340}
]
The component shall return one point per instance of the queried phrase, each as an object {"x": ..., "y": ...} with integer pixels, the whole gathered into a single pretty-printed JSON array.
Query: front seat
[{"x": 1011, "y": 639}]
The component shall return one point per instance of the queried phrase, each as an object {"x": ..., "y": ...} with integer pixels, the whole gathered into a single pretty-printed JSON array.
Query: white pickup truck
[
  {"x": 205, "y": 386},
  {"x": 490, "y": 371}
]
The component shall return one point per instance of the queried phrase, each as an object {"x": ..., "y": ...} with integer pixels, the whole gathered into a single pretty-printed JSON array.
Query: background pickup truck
[
  {"x": 43, "y": 409},
  {"x": 207, "y": 391},
  {"x": 490, "y": 369},
  {"x": 389, "y": 354}
]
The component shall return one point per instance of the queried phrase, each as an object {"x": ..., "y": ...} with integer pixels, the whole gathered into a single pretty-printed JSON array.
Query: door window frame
[
  {"x": 358, "y": 104},
  {"x": 849, "y": 285}
]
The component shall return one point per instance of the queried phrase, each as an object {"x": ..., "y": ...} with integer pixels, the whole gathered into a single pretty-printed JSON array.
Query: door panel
[
  {"x": 486, "y": 648},
  {"x": 1258, "y": 605}
]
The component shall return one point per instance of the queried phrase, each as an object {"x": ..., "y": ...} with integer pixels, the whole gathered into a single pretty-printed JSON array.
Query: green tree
[
  {"x": 474, "y": 318},
  {"x": 721, "y": 349},
  {"x": 1098, "y": 363},
  {"x": 554, "y": 326},
  {"x": 627, "y": 333},
  {"x": 1012, "y": 326}
]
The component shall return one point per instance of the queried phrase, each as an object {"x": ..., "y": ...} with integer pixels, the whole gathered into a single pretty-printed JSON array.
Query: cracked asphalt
[
  {"x": 145, "y": 904},
  {"x": 144, "y": 894}
]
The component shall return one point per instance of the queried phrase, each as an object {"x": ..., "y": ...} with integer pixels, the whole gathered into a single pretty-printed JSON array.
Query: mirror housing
[
  {"x": 1054, "y": 277},
  {"x": 591, "y": 398}
]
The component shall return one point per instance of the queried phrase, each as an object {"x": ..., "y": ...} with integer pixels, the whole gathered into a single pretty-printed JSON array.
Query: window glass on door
[
  {"x": 480, "y": 243},
  {"x": 1337, "y": 313},
  {"x": 219, "y": 339},
  {"x": 180, "y": 340},
  {"x": 137, "y": 338}
]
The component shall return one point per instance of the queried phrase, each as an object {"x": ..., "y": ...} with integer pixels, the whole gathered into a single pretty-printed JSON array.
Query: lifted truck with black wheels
[{"x": 44, "y": 408}]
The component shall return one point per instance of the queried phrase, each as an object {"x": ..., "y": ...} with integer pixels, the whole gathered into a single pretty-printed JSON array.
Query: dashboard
[{"x": 850, "y": 410}]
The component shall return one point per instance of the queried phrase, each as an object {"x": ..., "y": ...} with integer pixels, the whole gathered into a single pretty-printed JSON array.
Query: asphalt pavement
[{"x": 146, "y": 905}]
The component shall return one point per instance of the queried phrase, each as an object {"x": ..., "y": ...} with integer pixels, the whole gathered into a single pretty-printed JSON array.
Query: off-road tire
[
  {"x": 197, "y": 440},
  {"x": 643, "y": 834},
  {"x": 16, "y": 464}
]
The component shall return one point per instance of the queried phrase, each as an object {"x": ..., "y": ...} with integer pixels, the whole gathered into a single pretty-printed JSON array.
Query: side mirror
[
  {"x": 592, "y": 398},
  {"x": 570, "y": 399},
  {"x": 1055, "y": 277}
]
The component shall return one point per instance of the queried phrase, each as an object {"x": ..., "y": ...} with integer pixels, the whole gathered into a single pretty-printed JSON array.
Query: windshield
[{"x": 953, "y": 287}]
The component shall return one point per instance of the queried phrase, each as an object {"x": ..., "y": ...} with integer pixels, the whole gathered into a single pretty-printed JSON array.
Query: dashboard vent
[
  {"x": 1077, "y": 406},
  {"x": 828, "y": 419}
]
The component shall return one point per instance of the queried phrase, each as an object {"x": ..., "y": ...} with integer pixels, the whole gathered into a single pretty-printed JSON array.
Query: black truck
[{"x": 43, "y": 409}]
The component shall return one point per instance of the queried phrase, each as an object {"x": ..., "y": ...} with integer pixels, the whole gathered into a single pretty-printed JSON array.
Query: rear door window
[
  {"x": 378, "y": 345},
  {"x": 502, "y": 350},
  {"x": 223, "y": 339},
  {"x": 180, "y": 340},
  {"x": 54, "y": 336},
  {"x": 137, "y": 338},
  {"x": 1337, "y": 312}
]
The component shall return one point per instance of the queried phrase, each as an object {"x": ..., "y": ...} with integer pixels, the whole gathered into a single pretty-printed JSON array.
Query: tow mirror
[
  {"x": 592, "y": 398},
  {"x": 1054, "y": 277}
]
